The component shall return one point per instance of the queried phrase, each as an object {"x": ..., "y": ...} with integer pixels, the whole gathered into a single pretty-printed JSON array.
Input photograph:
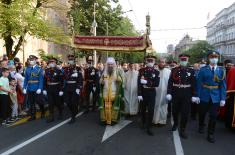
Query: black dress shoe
[
  {"x": 32, "y": 118},
  {"x": 174, "y": 128},
  {"x": 183, "y": 135},
  {"x": 42, "y": 115},
  {"x": 72, "y": 121},
  {"x": 201, "y": 130},
  {"x": 60, "y": 117},
  {"x": 211, "y": 138},
  {"x": 50, "y": 120},
  {"x": 150, "y": 133}
]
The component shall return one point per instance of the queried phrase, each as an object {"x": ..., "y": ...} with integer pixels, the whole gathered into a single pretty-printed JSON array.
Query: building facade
[
  {"x": 221, "y": 32},
  {"x": 32, "y": 44},
  {"x": 184, "y": 44}
]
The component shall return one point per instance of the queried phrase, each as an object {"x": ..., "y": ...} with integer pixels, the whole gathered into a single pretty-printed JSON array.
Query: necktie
[{"x": 213, "y": 70}]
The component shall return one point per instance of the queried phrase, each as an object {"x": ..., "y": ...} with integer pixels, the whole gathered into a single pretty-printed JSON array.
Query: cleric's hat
[
  {"x": 110, "y": 60},
  {"x": 213, "y": 53}
]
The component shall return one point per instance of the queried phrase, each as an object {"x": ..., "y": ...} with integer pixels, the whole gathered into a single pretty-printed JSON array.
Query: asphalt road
[{"x": 85, "y": 136}]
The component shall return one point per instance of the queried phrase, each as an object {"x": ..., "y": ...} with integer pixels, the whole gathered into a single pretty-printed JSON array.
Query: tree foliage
[
  {"x": 108, "y": 13},
  {"x": 47, "y": 57},
  {"x": 21, "y": 17},
  {"x": 199, "y": 51}
]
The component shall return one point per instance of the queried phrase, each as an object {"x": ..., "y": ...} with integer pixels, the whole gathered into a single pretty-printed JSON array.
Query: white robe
[
  {"x": 160, "y": 110},
  {"x": 130, "y": 92}
]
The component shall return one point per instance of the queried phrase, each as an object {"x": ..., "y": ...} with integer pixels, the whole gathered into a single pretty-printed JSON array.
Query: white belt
[
  {"x": 70, "y": 82},
  {"x": 182, "y": 85},
  {"x": 53, "y": 83}
]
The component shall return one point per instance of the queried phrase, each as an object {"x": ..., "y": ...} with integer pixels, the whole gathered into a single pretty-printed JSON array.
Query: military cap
[
  {"x": 183, "y": 55},
  {"x": 89, "y": 58},
  {"x": 150, "y": 57},
  {"x": 33, "y": 57},
  {"x": 52, "y": 60},
  {"x": 71, "y": 56},
  {"x": 213, "y": 53}
]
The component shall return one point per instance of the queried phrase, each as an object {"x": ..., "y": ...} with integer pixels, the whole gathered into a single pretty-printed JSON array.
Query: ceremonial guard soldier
[
  {"x": 91, "y": 83},
  {"x": 211, "y": 93},
  {"x": 53, "y": 88},
  {"x": 73, "y": 85},
  {"x": 33, "y": 85},
  {"x": 181, "y": 88},
  {"x": 148, "y": 80}
]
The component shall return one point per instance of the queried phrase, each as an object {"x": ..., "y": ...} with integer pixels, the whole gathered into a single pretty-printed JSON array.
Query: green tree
[
  {"x": 82, "y": 16},
  {"x": 198, "y": 51},
  {"x": 108, "y": 13},
  {"x": 21, "y": 17}
]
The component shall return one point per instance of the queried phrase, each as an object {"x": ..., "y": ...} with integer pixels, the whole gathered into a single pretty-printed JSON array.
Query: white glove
[
  {"x": 74, "y": 75},
  {"x": 168, "y": 97},
  {"x": 197, "y": 100},
  {"x": 94, "y": 88},
  {"x": 194, "y": 99},
  {"x": 140, "y": 98},
  {"x": 222, "y": 103},
  {"x": 78, "y": 91},
  {"x": 92, "y": 73},
  {"x": 24, "y": 91},
  {"x": 142, "y": 81},
  {"x": 61, "y": 93},
  {"x": 44, "y": 92},
  {"x": 38, "y": 91}
]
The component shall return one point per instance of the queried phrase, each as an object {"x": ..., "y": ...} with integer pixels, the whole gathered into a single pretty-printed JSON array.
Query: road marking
[
  {"x": 111, "y": 130},
  {"x": 178, "y": 146},
  {"x": 19, "y": 146},
  {"x": 25, "y": 119}
]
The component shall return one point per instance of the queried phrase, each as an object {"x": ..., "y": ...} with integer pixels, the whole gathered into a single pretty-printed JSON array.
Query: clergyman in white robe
[
  {"x": 130, "y": 91},
  {"x": 160, "y": 110}
]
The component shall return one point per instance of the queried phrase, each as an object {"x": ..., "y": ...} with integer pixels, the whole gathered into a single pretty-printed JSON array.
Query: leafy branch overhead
[{"x": 21, "y": 17}]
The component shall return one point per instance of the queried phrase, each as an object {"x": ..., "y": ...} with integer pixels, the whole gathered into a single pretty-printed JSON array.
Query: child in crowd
[
  {"x": 4, "y": 95},
  {"x": 13, "y": 97},
  {"x": 19, "y": 88}
]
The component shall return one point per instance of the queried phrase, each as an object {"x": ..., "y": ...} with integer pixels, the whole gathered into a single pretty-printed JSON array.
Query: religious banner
[{"x": 110, "y": 43}]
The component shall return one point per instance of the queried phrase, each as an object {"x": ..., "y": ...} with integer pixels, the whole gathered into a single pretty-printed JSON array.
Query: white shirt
[{"x": 214, "y": 67}]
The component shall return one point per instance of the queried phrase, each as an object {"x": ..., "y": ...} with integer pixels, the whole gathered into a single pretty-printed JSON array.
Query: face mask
[
  {"x": 214, "y": 61},
  {"x": 59, "y": 67},
  {"x": 32, "y": 63},
  {"x": 21, "y": 71},
  {"x": 51, "y": 65},
  {"x": 150, "y": 64},
  {"x": 183, "y": 63},
  {"x": 71, "y": 62}
]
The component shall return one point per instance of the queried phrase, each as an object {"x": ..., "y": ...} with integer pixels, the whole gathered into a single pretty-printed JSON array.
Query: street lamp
[{"x": 94, "y": 26}]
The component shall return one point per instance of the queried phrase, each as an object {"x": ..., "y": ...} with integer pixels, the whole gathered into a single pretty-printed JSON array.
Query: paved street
[{"x": 85, "y": 138}]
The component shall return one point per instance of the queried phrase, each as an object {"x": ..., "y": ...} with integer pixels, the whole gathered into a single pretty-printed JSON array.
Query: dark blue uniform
[
  {"x": 181, "y": 86},
  {"x": 73, "y": 80},
  {"x": 91, "y": 85},
  {"x": 148, "y": 92},
  {"x": 54, "y": 83}
]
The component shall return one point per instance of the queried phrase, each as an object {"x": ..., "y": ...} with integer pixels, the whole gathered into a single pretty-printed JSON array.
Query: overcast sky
[{"x": 173, "y": 14}]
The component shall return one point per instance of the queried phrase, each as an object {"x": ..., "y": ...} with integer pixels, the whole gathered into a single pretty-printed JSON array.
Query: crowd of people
[{"x": 153, "y": 89}]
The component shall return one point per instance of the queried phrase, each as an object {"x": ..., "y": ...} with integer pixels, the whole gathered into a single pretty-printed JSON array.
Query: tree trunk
[{"x": 9, "y": 45}]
